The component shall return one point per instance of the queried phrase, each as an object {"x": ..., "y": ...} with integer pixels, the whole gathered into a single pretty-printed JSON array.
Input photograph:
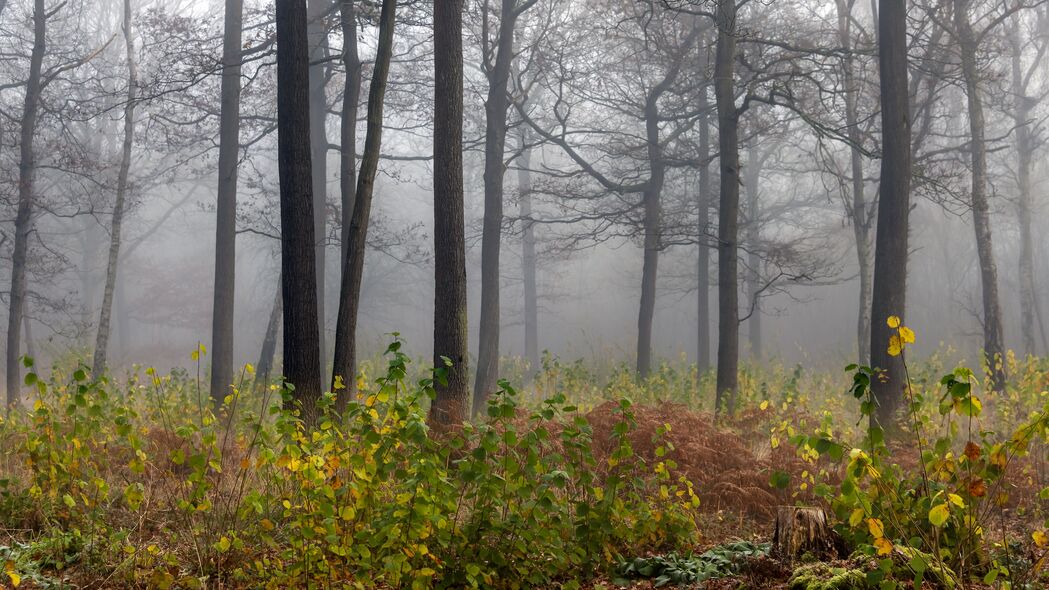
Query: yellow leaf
[
  {"x": 764, "y": 405},
  {"x": 876, "y": 527},
  {"x": 856, "y": 517},
  {"x": 895, "y": 345},
  {"x": 907, "y": 334},
  {"x": 15, "y": 579},
  {"x": 893, "y": 321},
  {"x": 956, "y": 500},
  {"x": 939, "y": 514},
  {"x": 1040, "y": 538},
  {"x": 883, "y": 545}
]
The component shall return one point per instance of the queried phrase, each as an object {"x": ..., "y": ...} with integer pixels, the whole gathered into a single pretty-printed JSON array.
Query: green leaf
[
  {"x": 779, "y": 480},
  {"x": 939, "y": 514}
]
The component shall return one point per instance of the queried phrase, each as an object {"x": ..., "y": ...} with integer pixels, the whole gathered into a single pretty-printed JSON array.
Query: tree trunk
[
  {"x": 264, "y": 368},
  {"x": 345, "y": 362},
  {"x": 653, "y": 224},
  {"x": 24, "y": 216},
  {"x": 449, "y": 325},
  {"x": 528, "y": 258},
  {"x": 298, "y": 259},
  {"x": 890, "y": 261},
  {"x": 992, "y": 314},
  {"x": 351, "y": 97},
  {"x": 703, "y": 277},
  {"x": 728, "y": 209},
  {"x": 98, "y": 364},
  {"x": 1021, "y": 121},
  {"x": 803, "y": 530},
  {"x": 317, "y": 33},
  {"x": 861, "y": 225},
  {"x": 752, "y": 174}
]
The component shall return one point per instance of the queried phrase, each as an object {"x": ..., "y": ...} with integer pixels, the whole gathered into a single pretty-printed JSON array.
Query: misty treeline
[{"x": 276, "y": 171}]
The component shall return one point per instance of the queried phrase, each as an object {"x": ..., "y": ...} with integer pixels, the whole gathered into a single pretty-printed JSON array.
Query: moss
[
  {"x": 821, "y": 576},
  {"x": 913, "y": 559}
]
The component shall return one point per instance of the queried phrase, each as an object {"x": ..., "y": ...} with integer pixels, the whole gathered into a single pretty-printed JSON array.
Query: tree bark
[
  {"x": 351, "y": 97},
  {"x": 320, "y": 50},
  {"x": 528, "y": 257},
  {"x": 226, "y": 210},
  {"x": 861, "y": 225},
  {"x": 890, "y": 261},
  {"x": 26, "y": 202},
  {"x": 703, "y": 277},
  {"x": 728, "y": 209},
  {"x": 98, "y": 364},
  {"x": 1022, "y": 123},
  {"x": 993, "y": 346},
  {"x": 449, "y": 330},
  {"x": 653, "y": 225},
  {"x": 345, "y": 361},
  {"x": 298, "y": 259},
  {"x": 264, "y": 368}
]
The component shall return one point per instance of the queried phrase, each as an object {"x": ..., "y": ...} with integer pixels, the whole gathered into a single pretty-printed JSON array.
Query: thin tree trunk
[
  {"x": 890, "y": 261},
  {"x": 317, "y": 32},
  {"x": 24, "y": 216},
  {"x": 98, "y": 364},
  {"x": 449, "y": 330},
  {"x": 528, "y": 257},
  {"x": 1021, "y": 121},
  {"x": 728, "y": 209},
  {"x": 264, "y": 368},
  {"x": 992, "y": 314},
  {"x": 496, "y": 106},
  {"x": 298, "y": 259},
  {"x": 351, "y": 97},
  {"x": 345, "y": 362},
  {"x": 703, "y": 277},
  {"x": 653, "y": 224},
  {"x": 30, "y": 346},
  {"x": 860, "y": 220},
  {"x": 222, "y": 333},
  {"x": 752, "y": 173}
]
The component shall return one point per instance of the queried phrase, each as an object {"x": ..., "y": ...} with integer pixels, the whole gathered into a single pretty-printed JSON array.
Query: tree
[
  {"x": 704, "y": 199},
  {"x": 449, "y": 329},
  {"x": 345, "y": 362},
  {"x": 226, "y": 210},
  {"x": 497, "y": 69},
  {"x": 528, "y": 256},
  {"x": 298, "y": 273},
  {"x": 890, "y": 259},
  {"x": 26, "y": 198},
  {"x": 320, "y": 70}
]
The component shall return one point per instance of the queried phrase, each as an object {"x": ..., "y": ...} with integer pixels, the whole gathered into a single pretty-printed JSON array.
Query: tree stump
[{"x": 801, "y": 530}]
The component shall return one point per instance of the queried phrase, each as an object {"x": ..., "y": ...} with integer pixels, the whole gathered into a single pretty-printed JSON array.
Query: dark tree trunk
[
  {"x": 298, "y": 257},
  {"x": 890, "y": 260},
  {"x": 728, "y": 209},
  {"x": 351, "y": 96},
  {"x": 264, "y": 368},
  {"x": 226, "y": 211},
  {"x": 993, "y": 346},
  {"x": 317, "y": 32},
  {"x": 345, "y": 363},
  {"x": 752, "y": 172},
  {"x": 496, "y": 106},
  {"x": 449, "y": 325},
  {"x": 703, "y": 279},
  {"x": 528, "y": 258},
  {"x": 861, "y": 224},
  {"x": 24, "y": 216},
  {"x": 653, "y": 225}
]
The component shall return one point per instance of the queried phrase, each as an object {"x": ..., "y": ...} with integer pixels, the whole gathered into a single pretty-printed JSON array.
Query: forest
[{"x": 555, "y": 294}]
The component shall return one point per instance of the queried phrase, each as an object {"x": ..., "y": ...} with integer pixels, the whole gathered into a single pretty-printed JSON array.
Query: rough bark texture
[
  {"x": 449, "y": 323},
  {"x": 351, "y": 96},
  {"x": 803, "y": 530},
  {"x": 298, "y": 271},
  {"x": 345, "y": 361},
  {"x": 319, "y": 52},
  {"x": 703, "y": 276},
  {"x": 993, "y": 346},
  {"x": 528, "y": 258},
  {"x": 24, "y": 216},
  {"x": 264, "y": 368},
  {"x": 495, "y": 109},
  {"x": 861, "y": 223},
  {"x": 226, "y": 209},
  {"x": 890, "y": 261},
  {"x": 728, "y": 209}
]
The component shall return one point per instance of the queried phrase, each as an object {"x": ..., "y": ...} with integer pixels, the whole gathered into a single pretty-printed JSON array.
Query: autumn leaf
[
  {"x": 972, "y": 451},
  {"x": 893, "y": 321},
  {"x": 907, "y": 335},
  {"x": 895, "y": 345},
  {"x": 883, "y": 545},
  {"x": 977, "y": 488},
  {"x": 939, "y": 514},
  {"x": 1040, "y": 538},
  {"x": 876, "y": 527}
]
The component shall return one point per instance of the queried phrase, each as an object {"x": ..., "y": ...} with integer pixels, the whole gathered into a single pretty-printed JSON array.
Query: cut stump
[{"x": 801, "y": 530}]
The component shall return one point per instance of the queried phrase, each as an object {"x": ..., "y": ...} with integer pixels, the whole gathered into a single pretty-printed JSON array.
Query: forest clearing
[{"x": 554, "y": 294}]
